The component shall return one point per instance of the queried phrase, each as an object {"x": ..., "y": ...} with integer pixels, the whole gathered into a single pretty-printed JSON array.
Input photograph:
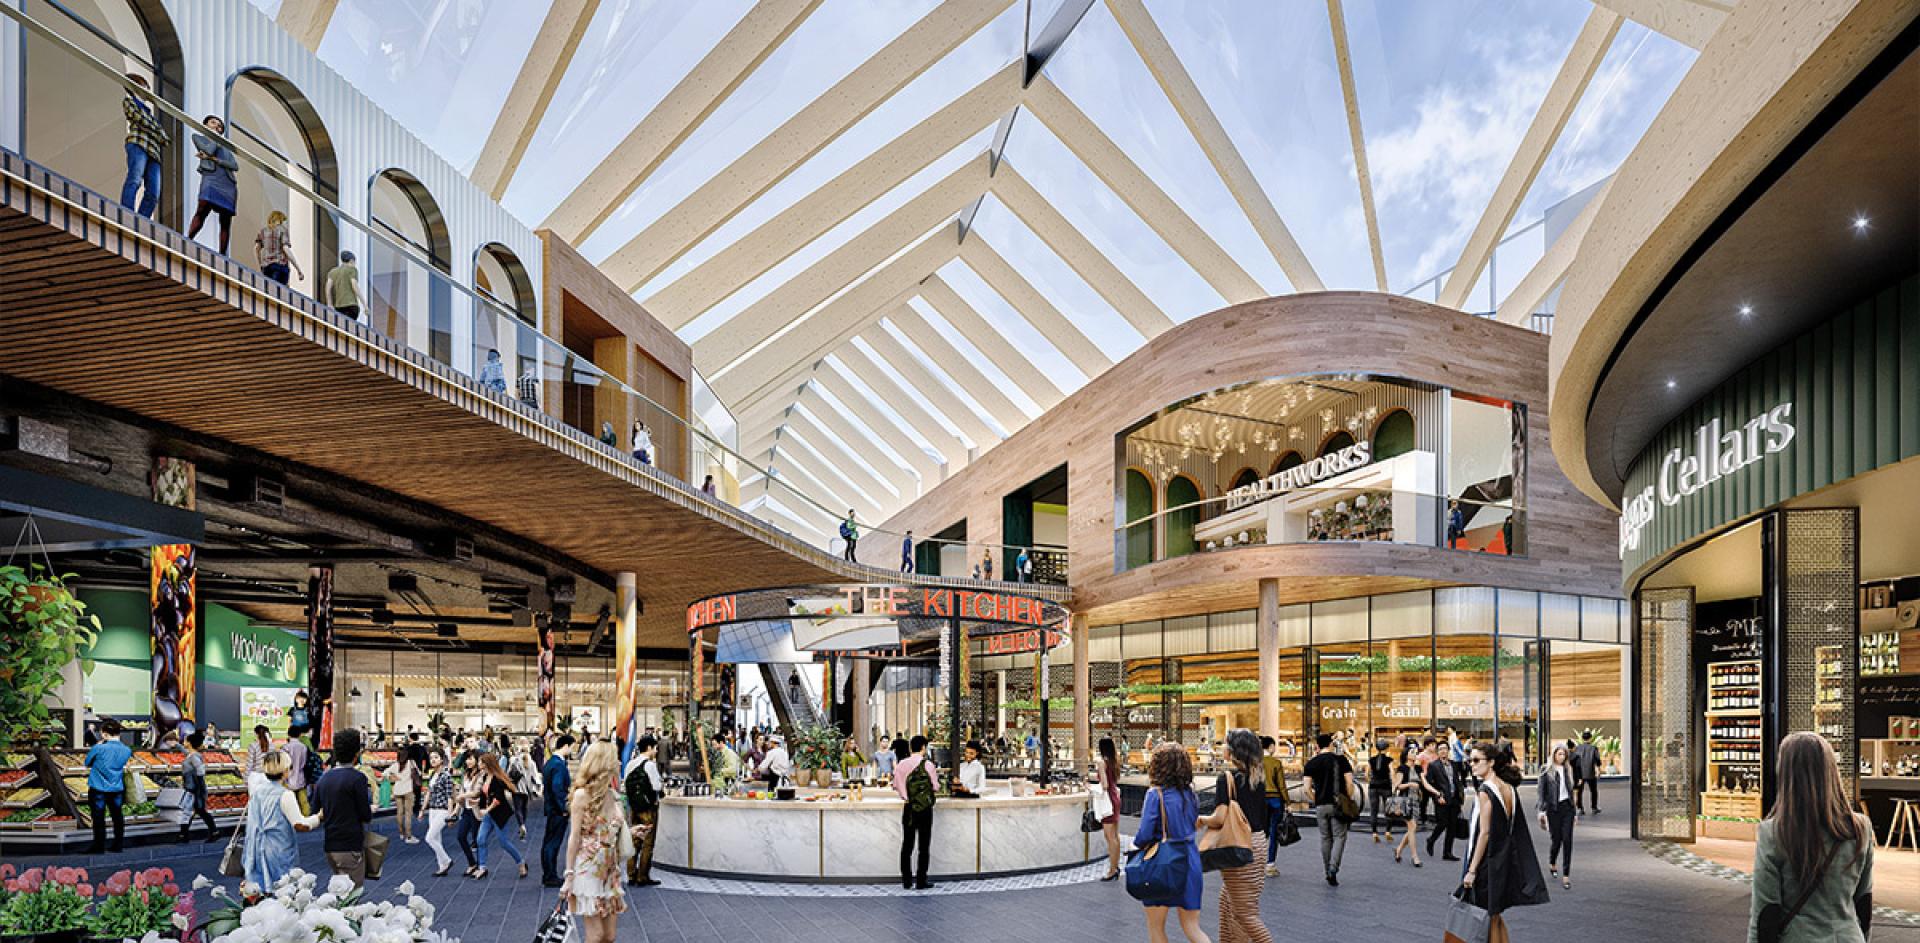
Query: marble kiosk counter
[{"x": 842, "y": 840}]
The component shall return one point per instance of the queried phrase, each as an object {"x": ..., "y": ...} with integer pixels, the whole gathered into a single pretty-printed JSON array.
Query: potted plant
[
  {"x": 46, "y": 904},
  {"x": 48, "y": 626},
  {"x": 131, "y": 905}
]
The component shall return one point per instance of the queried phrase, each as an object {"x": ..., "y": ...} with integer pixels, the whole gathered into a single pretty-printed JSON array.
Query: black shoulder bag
[{"x": 1774, "y": 920}]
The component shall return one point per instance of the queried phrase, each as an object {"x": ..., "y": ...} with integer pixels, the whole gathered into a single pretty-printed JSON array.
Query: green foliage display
[
  {"x": 1416, "y": 664},
  {"x": 816, "y": 747},
  {"x": 46, "y": 627}
]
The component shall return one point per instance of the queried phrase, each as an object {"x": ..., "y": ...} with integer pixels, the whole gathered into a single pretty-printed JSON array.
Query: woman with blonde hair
[
  {"x": 597, "y": 845},
  {"x": 272, "y": 249},
  {"x": 273, "y": 816},
  {"x": 1813, "y": 858}
]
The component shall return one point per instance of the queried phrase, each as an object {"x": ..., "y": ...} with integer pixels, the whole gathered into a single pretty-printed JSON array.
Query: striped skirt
[{"x": 1240, "y": 898}]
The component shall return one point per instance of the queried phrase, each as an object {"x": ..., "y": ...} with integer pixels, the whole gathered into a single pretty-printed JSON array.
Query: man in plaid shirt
[{"x": 146, "y": 142}]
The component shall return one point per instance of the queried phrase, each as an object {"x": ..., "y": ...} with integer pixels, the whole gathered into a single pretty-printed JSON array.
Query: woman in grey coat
[
  {"x": 219, "y": 190},
  {"x": 1813, "y": 860}
]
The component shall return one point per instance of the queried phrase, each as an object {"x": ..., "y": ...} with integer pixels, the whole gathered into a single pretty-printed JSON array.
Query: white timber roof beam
[
  {"x": 835, "y": 201},
  {"x": 1074, "y": 248},
  {"x": 930, "y": 387},
  {"x": 781, "y": 363},
  {"x": 843, "y": 266},
  {"x": 955, "y": 364},
  {"x": 1132, "y": 185},
  {"x": 974, "y": 327},
  {"x": 1692, "y": 22},
  {"x": 1537, "y": 284},
  {"x": 1562, "y": 96},
  {"x": 878, "y": 482},
  {"x": 843, "y": 476},
  {"x": 897, "y": 433},
  {"x": 1205, "y": 126},
  {"x": 824, "y": 118},
  {"x": 684, "y": 108},
  {"x": 891, "y": 446},
  {"x": 791, "y": 474},
  {"x": 531, "y": 93},
  {"x": 945, "y": 443},
  {"x": 306, "y": 20},
  {"x": 1337, "y": 18},
  {"x": 1009, "y": 284}
]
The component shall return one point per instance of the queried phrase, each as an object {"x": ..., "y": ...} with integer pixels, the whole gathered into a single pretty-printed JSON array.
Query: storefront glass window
[{"x": 1485, "y": 487}]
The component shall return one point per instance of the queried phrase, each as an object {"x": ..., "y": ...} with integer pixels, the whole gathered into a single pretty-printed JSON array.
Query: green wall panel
[{"x": 1854, "y": 386}]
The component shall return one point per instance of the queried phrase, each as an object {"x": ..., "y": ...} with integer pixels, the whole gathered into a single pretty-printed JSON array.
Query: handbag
[
  {"x": 1773, "y": 920},
  {"x": 1284, "y": 831},
  {"x": 1400, "y": 807},
  {"x": 1229, "y": 844},
  {"x": 374, "y": 850},
  {"x": 1466, "y": 923},
  {"x": 1346, "y": 805},
  {"x": 233, "y": 862},
  {"x": 1090, "y": 822},
  {"x": 1158, "y": 872},
  {"x": 1102, "y": 803},
  {"x": 557, "y": 927}
]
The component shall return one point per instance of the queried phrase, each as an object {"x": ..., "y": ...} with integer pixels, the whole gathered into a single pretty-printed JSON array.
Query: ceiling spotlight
[
  {"x": 1860, "y": 224},
  {"x": 1672, "y": 384},
  {"x": 1746, "y": 310}
]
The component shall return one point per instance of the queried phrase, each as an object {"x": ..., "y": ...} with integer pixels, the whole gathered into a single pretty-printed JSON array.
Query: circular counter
[{"x": 842, "y": 840}]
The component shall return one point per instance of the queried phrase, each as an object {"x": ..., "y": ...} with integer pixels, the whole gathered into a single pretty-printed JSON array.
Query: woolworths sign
[
  {"x": 234, "y": 652},
  {"x": 1838, "y": 401}
]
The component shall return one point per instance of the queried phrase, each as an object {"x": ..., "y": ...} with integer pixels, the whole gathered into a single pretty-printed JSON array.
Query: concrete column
[
  {"x": 1082, "y": 695},
  {"x": 862, "y": 694},
  {"x": 1267, "y": 640}
]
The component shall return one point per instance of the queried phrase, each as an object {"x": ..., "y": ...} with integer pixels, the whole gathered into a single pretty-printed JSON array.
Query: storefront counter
[{"x": 827, "y": 836}]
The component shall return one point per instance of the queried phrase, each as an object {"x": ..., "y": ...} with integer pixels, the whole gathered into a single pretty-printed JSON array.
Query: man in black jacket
[
  {"x": 1586, "y": 775},
  {"x": 643, "y": 801},
  {"x": 556, "y": 781},
  {"x": 1443, "y": 786}
]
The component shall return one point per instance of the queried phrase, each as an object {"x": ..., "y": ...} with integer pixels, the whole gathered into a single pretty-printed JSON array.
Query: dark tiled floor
[{"x": 1621, "y": 894}]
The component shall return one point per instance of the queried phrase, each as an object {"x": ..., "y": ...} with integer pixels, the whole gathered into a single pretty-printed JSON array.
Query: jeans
[
  {"x": 1560, "y": 828},
  {"x": 1276, "y": 810},
  {"x": 103, "y": 804},
  {"x": 143, "y": 169},
  {"x": 552, "y": 842},
  {"x": 1333, "y": 836},
  {"x": 464, "y": 830},
  {"x": 489, "y": 832},
  {"x": 1376, "y": 800},
  {"x": 276, "y": 271},
  {"x": 915, "y": 824}
]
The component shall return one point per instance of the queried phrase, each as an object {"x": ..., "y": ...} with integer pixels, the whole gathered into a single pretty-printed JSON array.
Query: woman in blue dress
[
  {"x": 219, "y": 190},
  {"x": 1171, "y": 806},
  {"x": 273, "y": 816}
]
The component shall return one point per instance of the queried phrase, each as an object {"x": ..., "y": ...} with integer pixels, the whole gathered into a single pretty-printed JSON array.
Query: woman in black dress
[{"x": 1502, "y": 869}]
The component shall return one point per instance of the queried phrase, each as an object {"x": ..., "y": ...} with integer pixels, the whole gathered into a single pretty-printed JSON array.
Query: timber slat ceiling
[{"x": 204, "y": 349}]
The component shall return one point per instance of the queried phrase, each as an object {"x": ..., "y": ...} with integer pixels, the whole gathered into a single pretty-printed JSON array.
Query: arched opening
[
  {"x": 406, "y": 299},
  {"x": 1393, "y": 435},
  {"x": 73, "y": 122},
  {"x": 1183, "y": 495},
  {"x": 273, "y": 120},
  {"x": 1287, "y": 460},
  {"x": 500, "y": 276},
  {"x": 1139, "y": 501},
  {"x": 1336, "y": 442},
  {"x": 1243, "y": 478}
]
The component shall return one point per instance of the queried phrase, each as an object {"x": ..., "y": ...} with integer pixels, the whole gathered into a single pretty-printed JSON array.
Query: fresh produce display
[
  {"x": 382, "y": 757},
  {"x": 146, "y": 782},
  {"x": 17, "y": 760},
  {"x": 56, "y": 821},
  {"x": 217, "y": 757},
  {"x": 141, "y": 808},
  {"x": 26, "y": 796},
  {"x": 76, "y": 785},
  {"x": 14, "y": 777},
  {"x": 227, "y": 801},
  {"x": 23, "y": 816},
  {"x": 70, "y": 761}
]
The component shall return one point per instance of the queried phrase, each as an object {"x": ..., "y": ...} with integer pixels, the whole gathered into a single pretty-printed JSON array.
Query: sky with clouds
[{"x": 1446, "y": 88}]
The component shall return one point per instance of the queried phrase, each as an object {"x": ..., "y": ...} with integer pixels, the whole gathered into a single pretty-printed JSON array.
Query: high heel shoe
[
  {"x": 1396, "y": 856},
  {"x": 479, "y": 874},
  {"x": 1111, "y": 875},
  {"x": 1416, "y": 862},
  {"x": 523, "y": 869},
  {"x": 443, "y": 871}
]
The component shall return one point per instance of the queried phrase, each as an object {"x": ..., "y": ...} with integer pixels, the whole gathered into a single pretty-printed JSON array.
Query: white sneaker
[{"x": 1273, "y": 871}]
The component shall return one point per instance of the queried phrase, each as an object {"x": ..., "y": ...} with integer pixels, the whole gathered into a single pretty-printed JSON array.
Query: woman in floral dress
[{"x": 596, "y": 847}]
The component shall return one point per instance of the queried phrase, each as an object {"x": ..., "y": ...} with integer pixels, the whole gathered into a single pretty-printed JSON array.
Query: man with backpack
[
  {"x": 850, "y": 532},
  {"x": 643, "y": 788},
  {"x": 914, "y": 779}
]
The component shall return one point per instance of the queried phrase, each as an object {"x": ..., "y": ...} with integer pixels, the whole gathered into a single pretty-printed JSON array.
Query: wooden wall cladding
[
  {"x": 1570, "y": 539},
  {"x": 117, "y": 310}
]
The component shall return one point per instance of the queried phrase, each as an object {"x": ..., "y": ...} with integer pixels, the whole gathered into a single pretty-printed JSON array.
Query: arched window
[
  {"x": 272, "y": 120},
  {"x": 72, "y": 121},
  {"x": 408, "y": 299},
  {"x": 1184, "y": 512},
  {"x": 1286, "y": 461},
  {"x": 1393, "y": 435},
  {"x": 1139, "y": 503},
  {"x": 1244, "y": 477},
  {"x": 499, "y": 275},
  {"x": 1336, "y": 442}
]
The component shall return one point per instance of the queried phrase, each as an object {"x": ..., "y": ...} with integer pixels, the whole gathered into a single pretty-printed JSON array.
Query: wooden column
[
  {"x": 1267, "y": 641},
  {"x": 1082, "y": 694},
  {"x": 862, "y": 714}
]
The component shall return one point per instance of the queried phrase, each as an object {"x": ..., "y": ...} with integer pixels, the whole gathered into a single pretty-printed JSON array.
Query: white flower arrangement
[{"x": 291, "y": 913}]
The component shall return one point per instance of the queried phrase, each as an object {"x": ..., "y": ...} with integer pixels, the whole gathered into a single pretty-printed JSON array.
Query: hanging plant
[{"x": 46, "y": 627}]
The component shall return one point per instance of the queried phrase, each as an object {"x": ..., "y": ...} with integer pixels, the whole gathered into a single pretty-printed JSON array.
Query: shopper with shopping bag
[
  {"x": 1163, "y": 872},
  {"x": 1236, "y": 841},
  {"x": 1502, "y": 868}
]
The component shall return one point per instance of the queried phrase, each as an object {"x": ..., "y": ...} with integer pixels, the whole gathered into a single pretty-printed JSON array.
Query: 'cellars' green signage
[{"x": 1840, "y": 400}]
